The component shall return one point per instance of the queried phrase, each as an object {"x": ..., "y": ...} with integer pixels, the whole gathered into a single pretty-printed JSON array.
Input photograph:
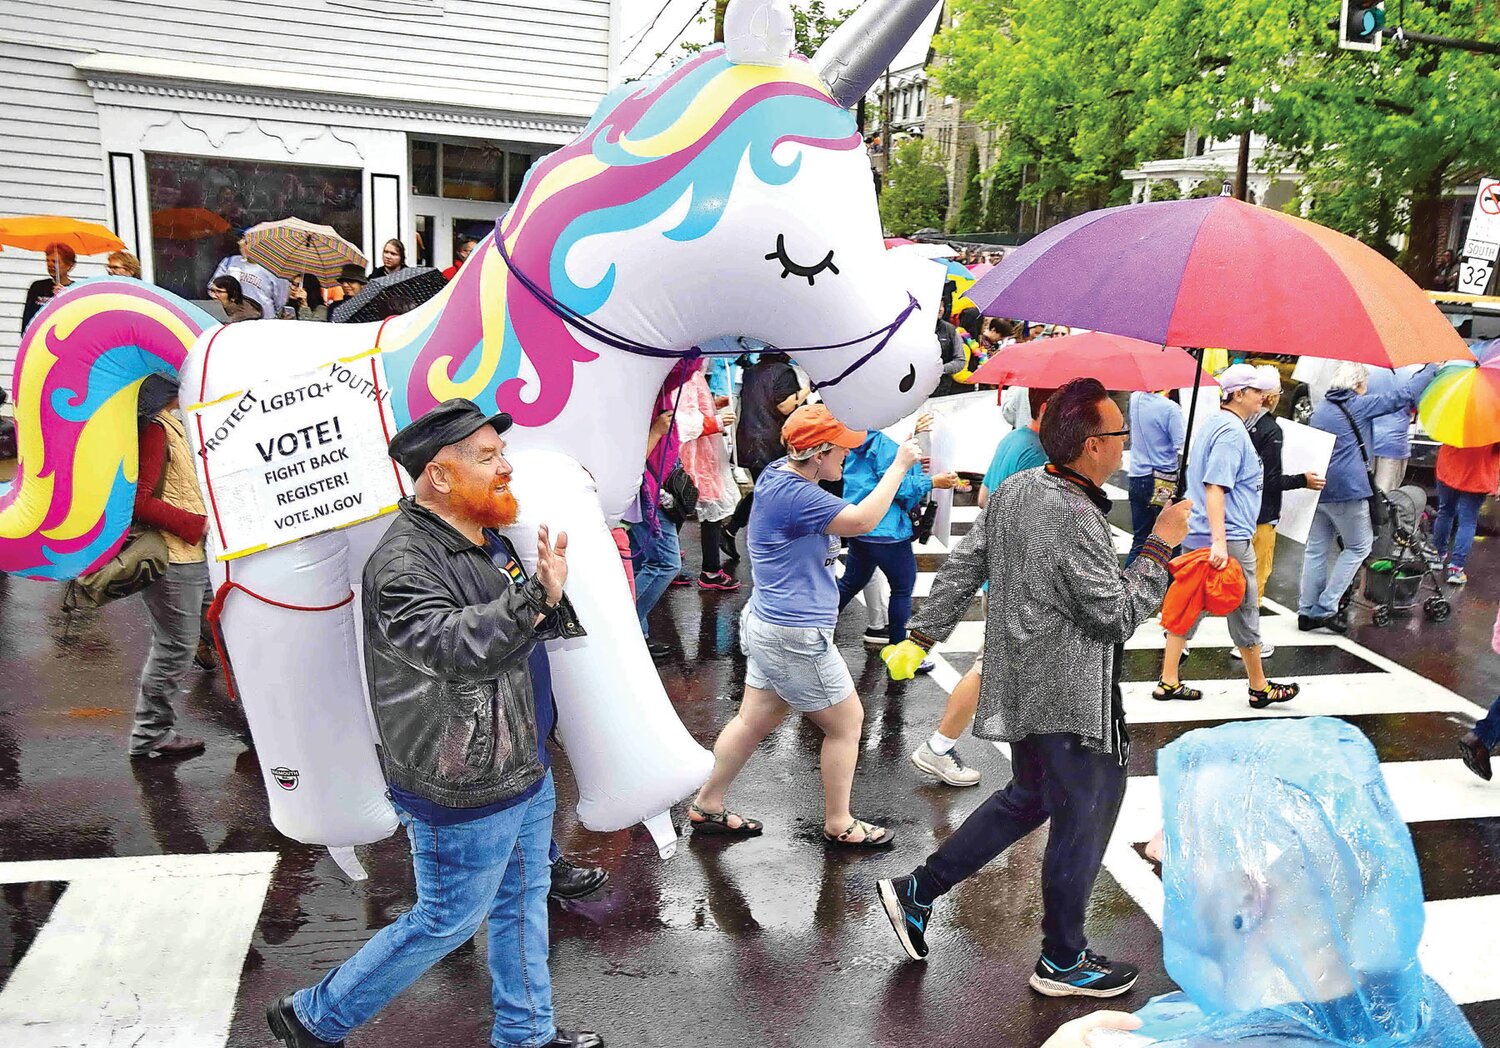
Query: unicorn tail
[{"x": 80, "y": 367}]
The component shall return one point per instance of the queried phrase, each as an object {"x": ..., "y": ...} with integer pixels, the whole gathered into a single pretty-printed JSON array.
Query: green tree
[
  {"x": 970, "y": 211},
  {"x": 916, "y": 191},
  {"x": 1165, "y": 189},
  {"x": 1213, "y": 185},
  {"x": 1080, "y": 91},
  {"x": 1001, "y": 202}
]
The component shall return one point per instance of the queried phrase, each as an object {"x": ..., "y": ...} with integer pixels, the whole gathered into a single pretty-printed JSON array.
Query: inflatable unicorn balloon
[{"x": 729, "y": 196}]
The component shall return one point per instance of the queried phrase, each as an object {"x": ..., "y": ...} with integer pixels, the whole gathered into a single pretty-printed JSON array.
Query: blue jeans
[
  {"x": 898, "y": 562},
  {"x": 1460, "y": 510},
  {"x": 1488, "y": 728},
  {"x": 1326, "y": 574},
  {"x": 493, "y": 867},
  {"x": 1142, "y": 514},
  {"x": 658, "y": 559}
]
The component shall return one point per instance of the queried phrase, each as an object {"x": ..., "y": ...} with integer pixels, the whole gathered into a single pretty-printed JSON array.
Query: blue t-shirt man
[
  {"x": 1157, "y": 431},
  {"x": 1223, "y": 455},
  {"x": 1019, "y": 449},
  {"x": 791, "y": 553}
]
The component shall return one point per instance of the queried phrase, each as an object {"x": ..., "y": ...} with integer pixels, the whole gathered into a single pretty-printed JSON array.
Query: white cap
[{"x": 1246, "y": 376}]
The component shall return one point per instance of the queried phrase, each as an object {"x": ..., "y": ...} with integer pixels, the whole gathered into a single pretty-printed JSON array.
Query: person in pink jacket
[{"x": 701, "y": 421}]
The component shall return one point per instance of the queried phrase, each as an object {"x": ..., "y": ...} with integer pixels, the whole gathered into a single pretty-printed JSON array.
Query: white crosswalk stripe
[{"x": 1423, "y": 790}]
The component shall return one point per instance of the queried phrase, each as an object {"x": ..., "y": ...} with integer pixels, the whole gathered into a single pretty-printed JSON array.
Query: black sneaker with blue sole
[
  {"x": 908, "y": 917},
  {"x": 1090, "y": 976}
]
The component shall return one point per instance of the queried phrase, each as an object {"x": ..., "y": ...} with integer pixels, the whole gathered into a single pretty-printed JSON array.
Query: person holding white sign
[{"x": 452, "y": 624}]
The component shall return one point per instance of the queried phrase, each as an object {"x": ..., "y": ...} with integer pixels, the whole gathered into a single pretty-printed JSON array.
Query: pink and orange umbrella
[
  {"x": 1461, "y": 406},
  {"x": 1118, "y": 362}
]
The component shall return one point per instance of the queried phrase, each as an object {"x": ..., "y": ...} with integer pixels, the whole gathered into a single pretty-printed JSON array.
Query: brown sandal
[
  {"x": 874, "y": 836},
  {"x": 717, "y": 822}
]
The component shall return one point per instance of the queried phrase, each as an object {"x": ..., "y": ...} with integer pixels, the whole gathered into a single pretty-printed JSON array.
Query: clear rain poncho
[{"x": 1293, "y": 900}]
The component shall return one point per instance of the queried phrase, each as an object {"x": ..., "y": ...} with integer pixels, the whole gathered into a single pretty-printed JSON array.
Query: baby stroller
[{"x": 1399, "y": 567}]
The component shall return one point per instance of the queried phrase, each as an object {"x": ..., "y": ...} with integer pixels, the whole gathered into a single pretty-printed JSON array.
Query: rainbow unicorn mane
[
  {"x": 650, "y": 144},
  {"x": 80, "y": 366}
]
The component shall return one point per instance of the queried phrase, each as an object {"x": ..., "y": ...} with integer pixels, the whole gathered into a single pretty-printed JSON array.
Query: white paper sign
[
  {"x": 298, "y": 456},
  {"x": 1303, "y": 450}
]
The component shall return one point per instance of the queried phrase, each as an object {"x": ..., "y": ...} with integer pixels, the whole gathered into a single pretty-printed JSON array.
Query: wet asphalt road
[{"x": 769, "y": 941}]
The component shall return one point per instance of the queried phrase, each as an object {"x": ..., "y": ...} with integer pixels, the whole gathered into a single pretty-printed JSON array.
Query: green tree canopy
[
  {"x": 916, "y": 191},
  {"x": 1081, "y": 91}
]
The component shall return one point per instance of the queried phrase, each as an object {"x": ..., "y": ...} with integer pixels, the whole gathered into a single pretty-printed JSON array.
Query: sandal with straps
[
  {"x": 1273, "y": 693},
  {"x": 717, "y": 822},
  {"x": 874, "y": 836},
  {"x": 1165, "y": 691}
]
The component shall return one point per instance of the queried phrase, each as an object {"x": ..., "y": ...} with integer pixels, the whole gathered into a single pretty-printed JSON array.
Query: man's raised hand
[{"x": 552, "y": 563}]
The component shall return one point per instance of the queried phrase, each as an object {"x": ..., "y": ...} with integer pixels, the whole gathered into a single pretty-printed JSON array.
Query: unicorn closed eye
[{"x": 730, "y": 196}]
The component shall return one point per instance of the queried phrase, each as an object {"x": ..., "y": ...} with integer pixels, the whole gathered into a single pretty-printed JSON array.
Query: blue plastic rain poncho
[{"x": 1293, "y": 901}]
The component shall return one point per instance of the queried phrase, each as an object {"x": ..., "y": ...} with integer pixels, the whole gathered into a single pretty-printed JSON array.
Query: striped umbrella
[
  {"x": 291, "y": 247},
  {"x": 1461, "y": 406}
]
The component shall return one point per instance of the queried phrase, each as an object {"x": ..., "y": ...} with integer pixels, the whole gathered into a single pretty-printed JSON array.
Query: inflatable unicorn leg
[
  {"x": 289, "y": 621},
  {"x": 631, "y": 755}
]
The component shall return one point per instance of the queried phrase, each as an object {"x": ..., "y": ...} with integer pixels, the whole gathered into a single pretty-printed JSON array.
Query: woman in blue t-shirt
[{"x": 786, "y": 630}]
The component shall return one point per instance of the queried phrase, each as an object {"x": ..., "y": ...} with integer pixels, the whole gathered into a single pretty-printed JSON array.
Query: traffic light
[{"x": 1361, "y": 24}]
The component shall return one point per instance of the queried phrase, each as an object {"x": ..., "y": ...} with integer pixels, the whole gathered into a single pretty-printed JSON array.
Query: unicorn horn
[{"x": 852, "y": 59}]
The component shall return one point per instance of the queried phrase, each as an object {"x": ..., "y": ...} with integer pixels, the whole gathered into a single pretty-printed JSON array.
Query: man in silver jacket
[{"x": 1060, "y": 606}]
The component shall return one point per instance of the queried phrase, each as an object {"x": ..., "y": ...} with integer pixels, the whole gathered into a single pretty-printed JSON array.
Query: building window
[
  {"x": 424, "y": 168},
  {"x": 236, "y": 194},
  {"x": 480, "y": 171},
  {"x": 473, "y": 172},
  {"x": 921, "y": 100}
]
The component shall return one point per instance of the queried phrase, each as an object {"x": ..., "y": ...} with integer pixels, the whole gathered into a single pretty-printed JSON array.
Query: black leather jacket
[{"x": 448, "y": 635}]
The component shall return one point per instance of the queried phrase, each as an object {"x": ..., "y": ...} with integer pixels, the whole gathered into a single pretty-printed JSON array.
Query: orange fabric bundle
[{"x": 1198, "y": 587}]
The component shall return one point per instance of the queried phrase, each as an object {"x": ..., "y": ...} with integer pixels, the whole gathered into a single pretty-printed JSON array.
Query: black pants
[{"x": 1056, "y": 777}]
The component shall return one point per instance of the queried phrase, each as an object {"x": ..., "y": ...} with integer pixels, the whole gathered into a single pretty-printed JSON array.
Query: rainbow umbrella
[
  {"x": 1461, "y": 406},
  {"x": 1219, "y": 272}
]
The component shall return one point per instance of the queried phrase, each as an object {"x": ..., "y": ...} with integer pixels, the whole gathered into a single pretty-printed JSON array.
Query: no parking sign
[{"x": 1482, "y": 244}]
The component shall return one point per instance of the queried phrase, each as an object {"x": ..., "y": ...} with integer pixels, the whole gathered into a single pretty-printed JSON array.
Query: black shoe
[
  {"x": 574, "y": 882},
  {"x": 908, "y": 917},
  {"x": 288, "y": 1029},
  {"x": 576, "y": 1039},
  {"x": 1331, "y": 624},
  {"x": 1090, "y": 976},
  {"x": 1476, "y": 755},
  {"x": 178, "y": 747},
  {"x": 658, "y": 650}
]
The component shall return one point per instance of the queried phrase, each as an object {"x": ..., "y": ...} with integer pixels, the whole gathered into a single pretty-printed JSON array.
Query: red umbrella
[{"x": 1120, "y": 363}]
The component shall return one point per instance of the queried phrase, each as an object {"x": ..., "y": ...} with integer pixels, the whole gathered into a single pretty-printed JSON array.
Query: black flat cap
[
  {"x": 448, "y": 423},
  {"x": 354, "y": 273}
]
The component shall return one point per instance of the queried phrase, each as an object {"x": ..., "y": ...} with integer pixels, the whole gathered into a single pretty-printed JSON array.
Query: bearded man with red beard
[{"x": 452, "y": 623}]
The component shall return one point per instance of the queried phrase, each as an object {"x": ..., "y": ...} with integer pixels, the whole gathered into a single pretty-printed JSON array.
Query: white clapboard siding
[
  {"x": 50, "y": 163},
  {"x": 542, "y": 56}
]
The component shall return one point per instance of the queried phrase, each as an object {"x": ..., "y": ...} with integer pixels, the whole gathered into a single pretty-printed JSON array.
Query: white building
[
  {"x": 412, "y": 119},
  {"x": 1212, "y": 161}
]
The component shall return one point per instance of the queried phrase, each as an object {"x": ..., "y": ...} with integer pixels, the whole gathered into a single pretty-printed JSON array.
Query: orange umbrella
[
  {"x": 187, "y": 223},
  {"x": 39, "y": 232}
]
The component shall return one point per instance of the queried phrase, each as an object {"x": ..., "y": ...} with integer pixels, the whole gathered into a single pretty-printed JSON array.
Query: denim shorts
[{"x": 799, "y": 663}]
